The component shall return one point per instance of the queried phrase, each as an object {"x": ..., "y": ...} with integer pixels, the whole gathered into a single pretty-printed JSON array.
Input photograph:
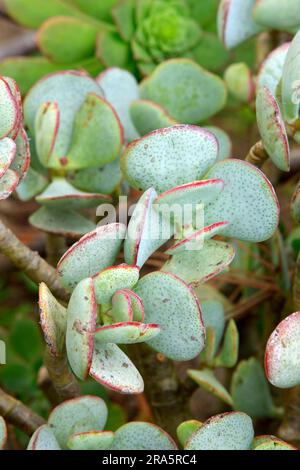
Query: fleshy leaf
[
  {"x": 277, "y": 15},
  {"x": 121, "y": 89},
  {"x": 7, "y": 154},
  {"x": 186, "y": 429},
  {"x": 240, "y": 82},
  {"x": 290, "y": 82},
  {"x": 228, "y": 431},
  {"x": 169, "y": 157},
  {"x": 224, "y": 141},
  {"x": 250, "y": 390},
  {"x": 43, "y": 439},
  {"x": 214, "y": 317},
  {"x": 271, "y": 443},
  {"x": 230, "y": 349},
  {"x": 282, "y": 357},
  {"x": 206, "y": 379},
  {"x": 189, "y": 93},
  {"x": 150, "y": 437},
  {"x": 33, "y": 184},
  {"x": 10, "y": 113},
  {"x": 3, "y": 433},
  {"x": 270, "y": 72},
  {"x": 61, "y": 222},
  {"x": 148, "y": 116},
  {"x": 126, "y": 333},
  {"x": 82, "y": 316},
  {"x": 91, "y": 440},
  {"x": 112, "y": 279},
  {"x": 147, "y": 230},
  {"x": 83, "y": 414},
  {"x": 127, "y": 306},
  {"x": 198, "y": 266},
  {"x": 94, "y": 251},
  {"x": 103, "y": 180},
  {"x": 248, "y": 201},
  {"x": 295, "y": 204},
  {"x": 272, "y": 129},
  {"x": 62, "y": 195},
  {"x": 198, "y": 192},
  {"x": 235, "y": 22},
  {"x": 53, "y": 319},
  {"x": 21, "y": 161},
  {"x": 169, "y": 302},
  {"x": 113, "y": 369},
  {"x": 8, "y": 183}
]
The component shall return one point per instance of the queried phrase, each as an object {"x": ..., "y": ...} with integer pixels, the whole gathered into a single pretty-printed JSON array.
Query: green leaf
[
  {"x": 61, "y": 222},
  {"x": 211, "y": 53},
  {"x": 91, "y": 440},
  {"x": 283, "y": 16},
  {"x": 295, "y": 204},
  {"x": 228, "y": 431},
  {"x": 270, "y": 72},
  {"x": 207, "y": 380},
  {"x": 272, "y": 129},
  {"x": 33, "y": 184},
  {"x": 250, "y": 390},
  {"x": 82, "y": 414},
  {"x": 148, "y": 116},
  {"x": 8, "y": 184},
  {"x": 214, "y": 317},
  {"x": 105, "y": 179},
  {"x": 142, "y": 436},
  {"x": 112, "y": 279},
  {"x": 43, "y": 439},
  {"x": 229, "y": 353},
  {"x": 189, "y": 93},
  {"x": 290, "y": 82},
  {"x": 53, "y": 320},
  {"x": 10, "y": 117},
  {"x": 186, "y": 429},
  {"x": 123, "y": 14},
  {"x": 100, "y": 10},
  {"x": 21, "y": 161},
  {"x": 169, "y": 302},
  {"x": 7, "y": 154},
  {"x": 198, "y": 266},
  {"x": 127, "y": 306},
  {"x": 271, "y": 443},
  {"x": 224, "y": 140},
  {"x": 126, "y": 333},
  {"x": 112, "y": 51},
  {"x": 282, "y": 352},
  {"x": 94, "y": 251},
  {"x": 3, "y": 433},
  {"x": 82, "y": 316},
  {"x": 248, "y": 201},
  {"x": 240, "y": 82},
  {"x": 113, "y": 369},
  {"x": 168, "y": 158}
]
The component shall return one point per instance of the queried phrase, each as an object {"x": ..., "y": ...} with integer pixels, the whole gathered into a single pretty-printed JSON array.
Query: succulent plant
[
  {"x": 14, "y": 145},
  {"x": 78, "y": 424},
  {"x": 132, "y": 34}
]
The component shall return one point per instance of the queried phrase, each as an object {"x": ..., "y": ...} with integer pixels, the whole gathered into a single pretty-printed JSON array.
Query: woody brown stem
[
  {"x": 14, "y": 412},
  {"x": 64, "y": 382},
  {"x": 257, "y": 155}
]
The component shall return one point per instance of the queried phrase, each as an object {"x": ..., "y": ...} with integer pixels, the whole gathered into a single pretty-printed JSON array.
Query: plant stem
[
  {"x": 64, "y": 382},
  {"x": 55, "y": 248},
  {"x": 30, "y": 262},
  {"x": 18, "y": 414},
  {"x": 167, "y": 397},
  {"x": 257, "y": 155}
]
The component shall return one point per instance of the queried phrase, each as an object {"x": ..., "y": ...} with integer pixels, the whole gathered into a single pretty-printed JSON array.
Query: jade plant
[{"x": 132, "y": 34}]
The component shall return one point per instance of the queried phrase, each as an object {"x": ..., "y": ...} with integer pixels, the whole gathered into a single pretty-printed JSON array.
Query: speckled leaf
[
  {"x": 94, "y": 251},
  {"x": 195, "y": 240},
  {"x": 98, "y": 180},
  {"x": 169, "y": 302},
  {"x": 198, "y": 266},
  {"x": 290, "y": 82},
  {"x": 227, "y": 431},
  {"x": 272, "y": 129},
  {"x": 43, "y": 439},
  {"x": 21, "y": 161},
  {"x": 3, "y": 433},
  {"x": 53, "y": 320},
  {"x": 271, "y": 443},
  {"x": 189, "y": 93},
  {"x": 98, "y": 134},
  {"x": 248, "y": 201},
  {"x": 148, "y": 116},
  {"x": 61, "y": 222},
  {"x": 214, "y": 317},
  {"x": 10, "y": 112},
  {"x": 33, "y": 184},
  {"x": 8, "y": 183},
  {"x": 122, "y": 306},
  {"x": 82, "y": 316},
  {"x": 150, "y": 437},
  {"x": 7, "y": 154},
  {"x": 46, "y": 128},
  {"x": 235, "y": 22},
  {"x": 224, "y": 141},
  {"x": 147, "y": 230},
  {"x": 83, "y": 414},
  {"x": 113, "y": 369},
  {"x": 186, "y": 429},
  {"x": 250, "y": 390},
  {"x": 121, "y": 89},
  {"x": 137, "y": 306},
  {"x": 91, "y": 440},
  {"x": 277, "y": 15},
  {"x": 198, "y": 192},
  {"x": 112, "y": 279},
  {"x": 169, "y": 157},
  {"x": 240, "y": 82},
  {"x": 230, "y": 349},
  {"x": 206, "y": 379},
  {"x": 270, "y": 72},
  {"x": 282, "y": 357},
  {"x": 62, "y": 195},
  {"x": 126, "y": 333}
]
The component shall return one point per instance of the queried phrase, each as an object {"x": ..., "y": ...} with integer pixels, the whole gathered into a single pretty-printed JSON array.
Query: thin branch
[
  {"x": 14, "y": 412},
  {"x": 245, "y": 306},
  {"x": 64, "y": 382},
  {"x": 30, "y": 262}
]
